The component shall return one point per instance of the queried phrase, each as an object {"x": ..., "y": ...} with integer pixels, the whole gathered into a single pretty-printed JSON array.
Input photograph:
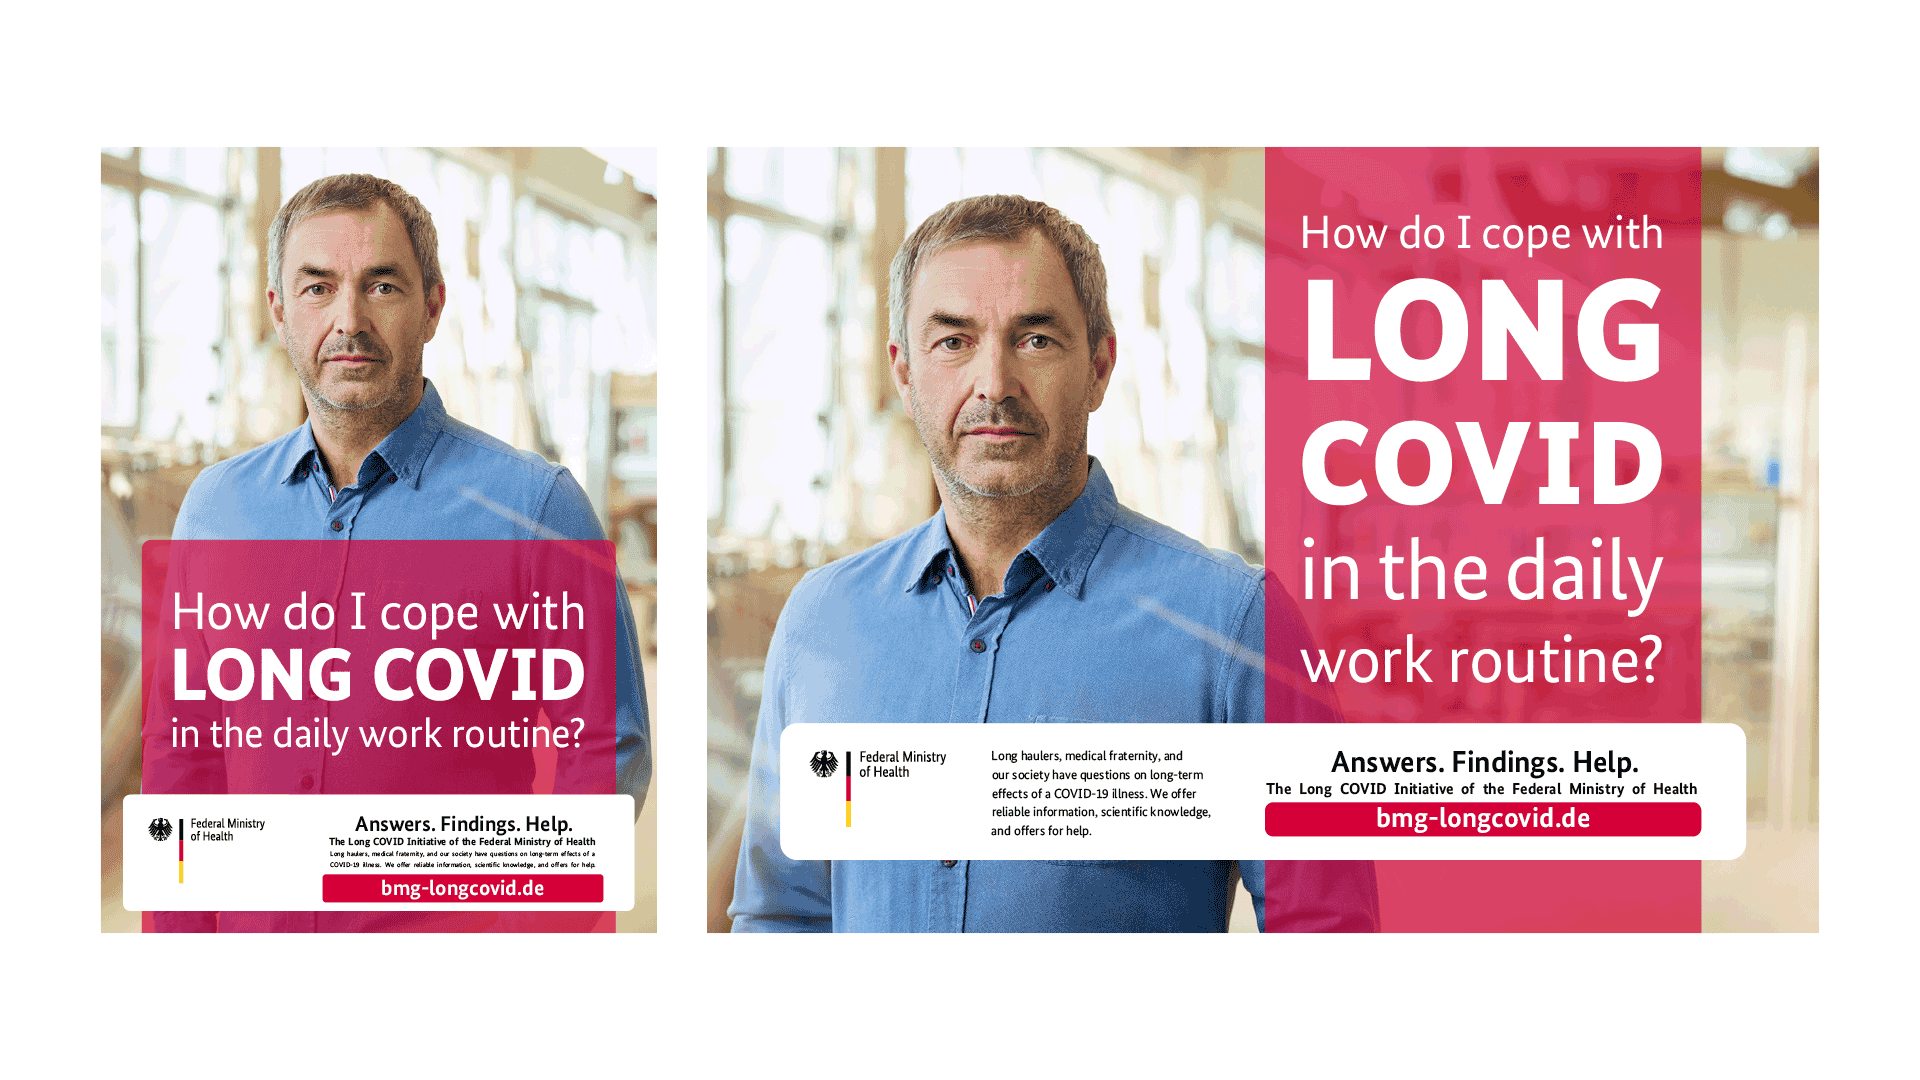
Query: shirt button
[
  {"x": 949, "y": 571},
  {"x": 336, "y": 526},
  {"x": 948, "y": 862},
  {"x": 306, "y": 783},
  {"x": 978, "y": 645},
  {"x": 391, "y": 479},
  {"x": 1049, "y": 586}
]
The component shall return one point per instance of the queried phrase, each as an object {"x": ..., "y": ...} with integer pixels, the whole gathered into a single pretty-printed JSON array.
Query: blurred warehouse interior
[
  {"x": 1759, "y": 536},
  {"x": 812, "y": 457},
  {"x": 547, "y": 342}
]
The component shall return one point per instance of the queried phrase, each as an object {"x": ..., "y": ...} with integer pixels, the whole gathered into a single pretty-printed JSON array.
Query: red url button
[
  {"x": 1483, "y": 819},
  {"x": 461, "y": 889}
]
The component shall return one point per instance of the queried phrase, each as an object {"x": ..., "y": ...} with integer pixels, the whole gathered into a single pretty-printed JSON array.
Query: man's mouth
[
  {"x": 996, "y": 433},
  {"x": 350, "y": 359}
]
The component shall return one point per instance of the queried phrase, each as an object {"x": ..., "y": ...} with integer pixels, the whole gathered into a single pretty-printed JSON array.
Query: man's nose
[
  {"x": 350, "y": 312},
  {"x": 995, "y": 378}
]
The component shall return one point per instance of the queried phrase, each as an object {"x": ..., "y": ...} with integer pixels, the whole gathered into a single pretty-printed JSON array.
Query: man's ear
[
  {"x": 1105, "y": 355},
  {"x": 902, "y": 384},
  {"x": 436, "y": 303},
  {"x": 279, "y": 312}
]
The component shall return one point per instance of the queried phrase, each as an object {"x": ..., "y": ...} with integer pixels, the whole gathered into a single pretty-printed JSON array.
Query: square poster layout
[{"x": 379, "y": 513}]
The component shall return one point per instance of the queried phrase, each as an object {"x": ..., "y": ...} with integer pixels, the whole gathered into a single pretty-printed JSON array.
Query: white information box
[
  {"x": 1254, "y": 791},
  {"x": 378, "y": 853}
]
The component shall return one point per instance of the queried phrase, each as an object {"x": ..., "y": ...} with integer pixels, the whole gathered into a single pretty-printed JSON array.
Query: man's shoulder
[
  {"x": 884, "y": 569},
  {"x": 459, "y": 440},
  {"x": 1136, "y": 537},
  {"x": 222, "y": 490},
  {"x": 495, "y": 475},
  {"x": 1143, "y": 563},
  {"x": 265, "y": 463}
]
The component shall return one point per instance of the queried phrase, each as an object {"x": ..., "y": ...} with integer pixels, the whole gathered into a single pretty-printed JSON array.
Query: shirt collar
[
  {"x": 404, "y": 450},
  {"x": 1064, "y": 549},
  {"x": 929, "y": 551}
]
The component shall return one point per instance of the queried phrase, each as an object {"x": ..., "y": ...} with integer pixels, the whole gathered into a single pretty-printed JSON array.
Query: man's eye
[
  {"x": 1040, "y": 341},
  {"x": 315, "y": 289},
  {"x": 952, "y": 344},
  {"x": 384, "y": 288}
]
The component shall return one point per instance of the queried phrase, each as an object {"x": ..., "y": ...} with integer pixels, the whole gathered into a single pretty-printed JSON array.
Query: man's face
[
  {"x": 998, "y": 372},
  {"x": 355, "y": 318}
]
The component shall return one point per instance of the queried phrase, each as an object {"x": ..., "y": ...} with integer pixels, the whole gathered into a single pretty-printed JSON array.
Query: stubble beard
[
  {"x": 1056, "y": 475},
  {"x": 356, "y": 411}
]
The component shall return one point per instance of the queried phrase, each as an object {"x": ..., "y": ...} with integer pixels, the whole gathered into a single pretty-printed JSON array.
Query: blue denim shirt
[
  {"x": 432, "y": 478},
  {"x": 1106, "y": 617}
]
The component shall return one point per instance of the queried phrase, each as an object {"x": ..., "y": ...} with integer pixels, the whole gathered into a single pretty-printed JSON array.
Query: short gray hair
[
  {"x": 355, "y": 191},
  {"x": 1002, "y": 217}
]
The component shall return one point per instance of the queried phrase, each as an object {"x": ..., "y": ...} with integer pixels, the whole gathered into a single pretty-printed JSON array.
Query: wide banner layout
[
  {"x": 1294, "y": 791},
  {"x": 1408, "y": 539},
  {"x": 406, "y": 728},
  {"x": 1483, "y": 463}
]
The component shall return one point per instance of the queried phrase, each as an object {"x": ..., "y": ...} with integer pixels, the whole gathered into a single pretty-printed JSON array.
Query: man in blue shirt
[
  {"x": 356, "y": 293},
  {"x": 1032, "y": 596}
]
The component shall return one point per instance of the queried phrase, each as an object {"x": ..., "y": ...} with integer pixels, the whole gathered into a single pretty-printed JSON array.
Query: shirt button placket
[
  {"x": 947, "y": 898},
  {"x": 344, "y": 509},
  {"x": 973, "y": 677}
]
